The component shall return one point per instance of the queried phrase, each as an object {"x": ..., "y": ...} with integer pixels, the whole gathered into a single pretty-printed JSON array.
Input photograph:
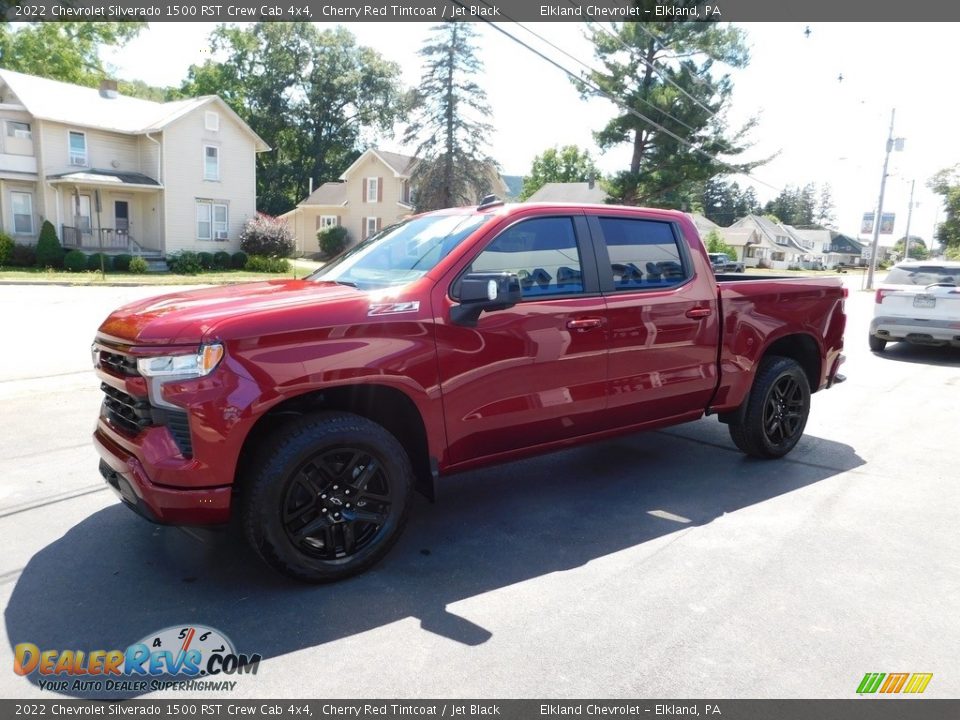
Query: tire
[
  {"x": 776, "y": 411},
  {"x": 326, "y": 497},
  {"x": 877, "y": 344}
]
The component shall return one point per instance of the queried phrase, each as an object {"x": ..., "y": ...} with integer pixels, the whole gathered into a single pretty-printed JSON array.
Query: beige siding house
[
  {"x": 123, "y": 174},
  {"x": 374, "y": 192}
]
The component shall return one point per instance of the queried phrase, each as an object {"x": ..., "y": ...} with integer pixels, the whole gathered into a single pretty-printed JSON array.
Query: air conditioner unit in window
[{"x": 220, "y": 235}]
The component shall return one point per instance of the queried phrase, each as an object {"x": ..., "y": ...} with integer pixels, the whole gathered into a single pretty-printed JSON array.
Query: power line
[{"x": 616, "y": 101}]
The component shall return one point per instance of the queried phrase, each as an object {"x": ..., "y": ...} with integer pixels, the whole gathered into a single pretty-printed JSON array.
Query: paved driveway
[{"x": 658, "y": 565}]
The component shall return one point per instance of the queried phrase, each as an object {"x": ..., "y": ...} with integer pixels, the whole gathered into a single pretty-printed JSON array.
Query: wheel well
[
  {"x": 386, "y": 406},
  {"x": 803, "y": 349}
]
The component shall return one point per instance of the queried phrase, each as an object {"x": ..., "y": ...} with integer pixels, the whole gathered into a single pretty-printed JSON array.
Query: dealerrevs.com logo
[
  {"x": 184, "y": 657},
  {"x": 894, "y": 683}
]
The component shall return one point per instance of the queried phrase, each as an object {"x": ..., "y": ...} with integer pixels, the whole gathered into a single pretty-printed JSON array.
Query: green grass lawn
[{"x": 300, "y": 268}]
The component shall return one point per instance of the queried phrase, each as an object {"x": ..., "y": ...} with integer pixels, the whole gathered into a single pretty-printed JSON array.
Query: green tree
[
  {"x": 310, "y": 94},
  {"x": 568, "y": 164},
  {"x": 664, "y": 72},
  {"x": 946, "y": 184},
  {"x": 63, "y": 50},
  {"x": 724, "y": 203},
  {"x": 447, "y": 122},
  {"x": 918, "y": 248},
  {"x": 715, "y": 244},
  {"x": 796, "y": 206}
]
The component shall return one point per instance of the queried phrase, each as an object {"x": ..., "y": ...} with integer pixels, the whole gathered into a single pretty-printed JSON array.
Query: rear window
[{"x": 923, "y": 275}]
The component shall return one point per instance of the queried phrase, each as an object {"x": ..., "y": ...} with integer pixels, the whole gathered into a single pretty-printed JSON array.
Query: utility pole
[
  {"x": 876, "y": 220},
  {"x": 906, "y": 240}
]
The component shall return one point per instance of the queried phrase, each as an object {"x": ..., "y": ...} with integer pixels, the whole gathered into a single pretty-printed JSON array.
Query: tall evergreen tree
[
  {"x": 447, "y": 123},
  {"x": 664, "y": 71}
]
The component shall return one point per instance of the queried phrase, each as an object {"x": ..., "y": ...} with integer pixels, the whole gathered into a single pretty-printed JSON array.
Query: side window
[
  {"x": 643, "y": 254},
  {"x": 542, "y": 252}
]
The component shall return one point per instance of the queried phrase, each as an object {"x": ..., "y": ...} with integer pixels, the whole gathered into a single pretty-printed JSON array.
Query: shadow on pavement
[
  {"x": 922, "y": 354},
  {"x": 113, "y": 579}
]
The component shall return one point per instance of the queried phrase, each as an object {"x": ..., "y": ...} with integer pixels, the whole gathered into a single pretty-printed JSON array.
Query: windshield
[
  {"x": 400, "y": 253},
  {"x": 923, "y": 275}
]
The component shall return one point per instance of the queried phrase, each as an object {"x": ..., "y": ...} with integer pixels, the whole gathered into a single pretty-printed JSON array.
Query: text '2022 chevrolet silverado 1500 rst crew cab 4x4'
[{"x": 308, "y": 410}]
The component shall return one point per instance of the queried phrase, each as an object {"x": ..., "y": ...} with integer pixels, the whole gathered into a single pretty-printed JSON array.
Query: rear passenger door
[
  {"x": 662, "y": 319},
  {"x": 535, "y": 373}
]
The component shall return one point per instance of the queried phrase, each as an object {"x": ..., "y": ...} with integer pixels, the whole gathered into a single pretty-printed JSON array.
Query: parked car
[
  {"x": 919, "y": 302},
  {"x": 721, "y": 263},
  {"x": 308, "y": 410}
]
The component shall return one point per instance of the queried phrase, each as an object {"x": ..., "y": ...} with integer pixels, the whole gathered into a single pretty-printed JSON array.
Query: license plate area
[{"x": 924, "y": 301}]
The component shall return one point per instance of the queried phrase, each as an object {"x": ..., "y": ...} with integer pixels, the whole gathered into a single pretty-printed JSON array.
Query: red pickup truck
[{"x": 308, "y": 410}]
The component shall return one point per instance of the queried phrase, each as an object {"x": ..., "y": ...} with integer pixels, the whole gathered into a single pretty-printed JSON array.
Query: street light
[{"x": 892, "y": 144}]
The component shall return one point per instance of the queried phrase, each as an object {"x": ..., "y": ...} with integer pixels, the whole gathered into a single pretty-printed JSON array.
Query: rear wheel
[
  {"x": 877, "y": 344},
  {"x": 327, "y": 497},
  {"x": 776, "y": 411}
]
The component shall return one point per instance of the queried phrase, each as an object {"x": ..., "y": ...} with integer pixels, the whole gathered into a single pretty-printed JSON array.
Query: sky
[{"x": 817, "y": 128}]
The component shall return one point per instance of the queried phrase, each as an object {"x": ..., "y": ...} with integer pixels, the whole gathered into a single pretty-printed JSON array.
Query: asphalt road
[{"x": 660, "y": 565}]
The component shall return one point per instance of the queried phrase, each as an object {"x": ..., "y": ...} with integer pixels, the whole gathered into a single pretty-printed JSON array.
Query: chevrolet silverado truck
[{"x": 308, "y": 411}]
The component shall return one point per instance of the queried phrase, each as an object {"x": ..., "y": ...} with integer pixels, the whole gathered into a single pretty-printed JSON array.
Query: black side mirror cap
[{"x": 481, "y": 292}]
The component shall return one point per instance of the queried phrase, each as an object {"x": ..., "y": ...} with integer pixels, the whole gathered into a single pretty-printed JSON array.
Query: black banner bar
[
  {"x": 873, "y": 708},
  {"x": 477, "y": 10}
]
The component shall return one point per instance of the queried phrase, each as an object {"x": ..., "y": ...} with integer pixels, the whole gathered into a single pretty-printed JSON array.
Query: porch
[{"x": 112, "y": 241}]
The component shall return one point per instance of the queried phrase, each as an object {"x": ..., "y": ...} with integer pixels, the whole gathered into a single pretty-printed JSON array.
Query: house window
[
  {"x": 778, "y": 256},
  {"x": 18, "y": 129},
  {"x": 370, "y": 226},
  {"x": 212, "y": 220},
  {"x": 78, "y": 148},
  {"x": 211, "y": 121},
  {"x": 22, "y": 212},
  {"x": 82, "y": 212},
  {"x": 211, "y": 162},
  {"x": 373, "y": 189},
  {"x": 326, "y": 221}
]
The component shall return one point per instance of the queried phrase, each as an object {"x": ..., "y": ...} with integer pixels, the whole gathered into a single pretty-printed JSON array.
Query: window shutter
[
  {"x": 363, "y": 190},
  {"x": 378, "y": 224},
  {"x": 363, "y": 228},
  {"x": 338, "y": 220},
  {"x": 379, "y": 190}
]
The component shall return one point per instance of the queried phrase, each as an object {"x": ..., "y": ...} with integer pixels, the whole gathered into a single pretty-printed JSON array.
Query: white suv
[{"x": 918, "y": 302}]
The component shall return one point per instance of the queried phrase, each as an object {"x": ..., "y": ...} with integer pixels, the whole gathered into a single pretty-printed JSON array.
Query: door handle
[
  {"x": 699, "y": 313},
  {"x": 584, "y": 323}
]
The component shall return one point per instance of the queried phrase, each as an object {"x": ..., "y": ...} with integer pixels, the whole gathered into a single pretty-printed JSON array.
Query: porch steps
[{"x": 157, "y": 265}]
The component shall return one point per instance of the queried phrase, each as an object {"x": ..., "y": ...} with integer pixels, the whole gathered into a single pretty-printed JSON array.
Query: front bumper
[
  {"x": 916, "y": 330},
  {"x": 125, "y": 474}
]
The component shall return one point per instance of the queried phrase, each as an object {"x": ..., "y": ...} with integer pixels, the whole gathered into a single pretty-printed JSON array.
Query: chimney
[
  {"x": 108, "y": 89},
  {"x": 310, "y": 182},
  {"x": 590, "y": 181}
]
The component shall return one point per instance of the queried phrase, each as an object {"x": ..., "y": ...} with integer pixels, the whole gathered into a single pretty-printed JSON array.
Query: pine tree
[
  {"x": 664, "y": 71},
  {"x": 448, "y": 111}
]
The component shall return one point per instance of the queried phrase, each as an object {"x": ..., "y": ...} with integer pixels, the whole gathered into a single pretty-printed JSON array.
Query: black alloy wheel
[{"x": 776, "y": 411}]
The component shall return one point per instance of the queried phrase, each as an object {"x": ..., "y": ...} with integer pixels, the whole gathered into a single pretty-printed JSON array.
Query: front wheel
[
  {"x": 877, "y": 344},
  {"x": 776, "y": 411},
  {"x": 327, "y": 497}
]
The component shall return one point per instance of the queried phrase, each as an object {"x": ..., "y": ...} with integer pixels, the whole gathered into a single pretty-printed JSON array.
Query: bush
[
  {"x": 49, "y": 252},
  {"x": 258, "y": 263},
  {"x": 137, "y": 265},
  {"x": 93, "y": 262},
  {"x": 267, "y": 236},
  {"x": 221, "y": 260},
  {"x": 75, "y": 261},
  {"x": 238, "y": 260},
  {"x": 206, "y": 260},
  {"x": 6, "y": 247},
  {"x": 185, "y": 263},
  {"x": 22, "y": 256},
  {"x": 121, "y": 263},
  {"x": 332, "y": 240},
  {"x": 715, "y": 244}
]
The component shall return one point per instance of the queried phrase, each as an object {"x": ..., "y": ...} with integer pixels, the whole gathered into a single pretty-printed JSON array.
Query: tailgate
[{"x": 936, "y": 302}]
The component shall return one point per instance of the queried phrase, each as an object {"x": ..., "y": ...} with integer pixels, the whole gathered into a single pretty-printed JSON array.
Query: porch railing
[{"x": 101, "y": 239}]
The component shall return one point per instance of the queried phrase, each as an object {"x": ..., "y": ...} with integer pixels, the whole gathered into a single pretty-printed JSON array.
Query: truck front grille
[
  {"x": 118, "y": 364},
  {"x": 126, "y": 412}
]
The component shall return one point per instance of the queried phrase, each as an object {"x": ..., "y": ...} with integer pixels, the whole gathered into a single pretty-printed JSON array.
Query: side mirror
[{"x": 485, "y": 291}]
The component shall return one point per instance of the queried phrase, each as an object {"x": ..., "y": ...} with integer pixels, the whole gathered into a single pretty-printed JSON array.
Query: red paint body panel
[{"x": 546, "y": 373}]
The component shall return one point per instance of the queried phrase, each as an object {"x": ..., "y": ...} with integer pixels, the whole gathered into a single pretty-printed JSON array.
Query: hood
[{"x": 188, "y": 317}]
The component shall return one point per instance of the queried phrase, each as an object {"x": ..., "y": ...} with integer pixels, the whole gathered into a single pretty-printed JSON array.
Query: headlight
[{"x": 182, "y": 366}]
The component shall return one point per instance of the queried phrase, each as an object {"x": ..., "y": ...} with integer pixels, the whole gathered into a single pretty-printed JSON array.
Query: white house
[{"x": 123, "y": 174}]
